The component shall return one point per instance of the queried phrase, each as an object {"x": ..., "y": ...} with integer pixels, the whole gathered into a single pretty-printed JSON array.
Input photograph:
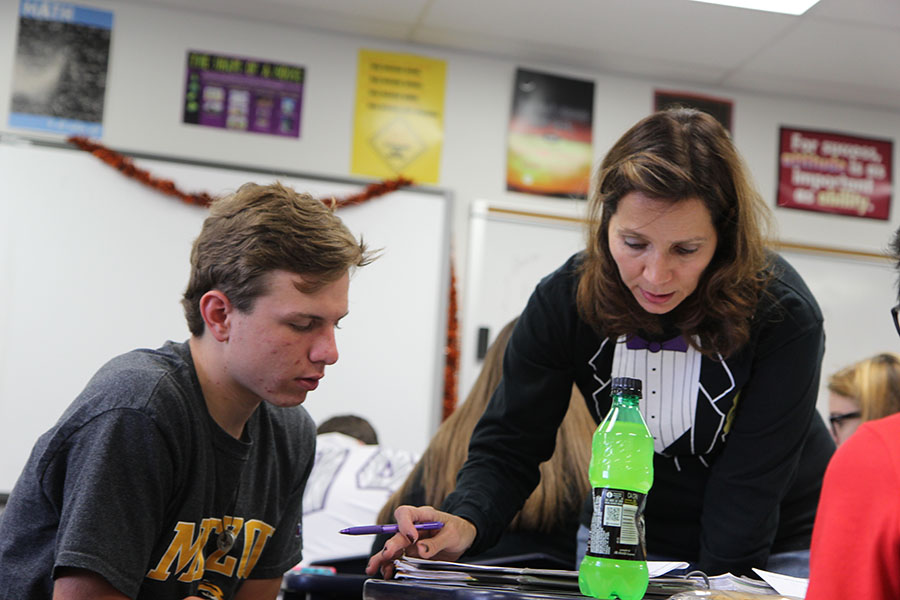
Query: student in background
[
  {"x": 352, "y": 477},
  {"x": 350, "y": 425},
  {"x": 677, "y": 288},
  {"x": 866, "y": 390},
  {"x": 856, "y": 540},
  {"x": 548, "y": 521},
  {"x": 179, "y": 472}
]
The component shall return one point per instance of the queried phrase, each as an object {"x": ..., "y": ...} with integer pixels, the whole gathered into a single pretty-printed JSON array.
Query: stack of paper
[
  {"x": 785, "y": 584},
  {"x": 439, "y": 570},
  {"x": 733, "y": 583},
  {"x": 547, "y": 579},
  {"x": 774, "y": 584}
]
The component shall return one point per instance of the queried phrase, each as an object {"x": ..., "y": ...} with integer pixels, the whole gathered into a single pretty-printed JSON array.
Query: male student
[
  {"x": 179, "y": 472},
  {"x": 856, "y": 538}
]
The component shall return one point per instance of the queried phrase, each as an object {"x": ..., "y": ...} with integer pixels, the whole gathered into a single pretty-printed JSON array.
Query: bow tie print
[{"x": 635, "y": 342}]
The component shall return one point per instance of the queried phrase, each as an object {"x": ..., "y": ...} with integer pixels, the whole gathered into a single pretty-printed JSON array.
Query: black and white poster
[{"x": 59, "y": 79}]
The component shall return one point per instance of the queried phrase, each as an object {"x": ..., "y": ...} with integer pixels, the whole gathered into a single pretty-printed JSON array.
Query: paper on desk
[
  {"x": 784, "y": 584},
  {"x": 438, "y": 572},
  {"x": 655, "y": 568},
  {"x": 659, "y": 567},
  {"x": 729, "y": 582},
  {"x": 417, "y": 568}
]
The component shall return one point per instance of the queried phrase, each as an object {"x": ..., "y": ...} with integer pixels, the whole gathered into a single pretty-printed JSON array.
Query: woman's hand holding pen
[{"x": 446, "y": 543}]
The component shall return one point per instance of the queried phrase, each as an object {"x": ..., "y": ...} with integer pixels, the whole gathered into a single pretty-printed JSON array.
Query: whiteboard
[
  {"x": 93, "y": 264},
  {"x": 511, "y": 250},
  {"x": 856, "y": 296}
]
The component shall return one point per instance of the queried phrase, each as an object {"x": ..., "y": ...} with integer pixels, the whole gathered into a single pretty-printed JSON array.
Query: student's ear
[{"x": 215, "y": 308}]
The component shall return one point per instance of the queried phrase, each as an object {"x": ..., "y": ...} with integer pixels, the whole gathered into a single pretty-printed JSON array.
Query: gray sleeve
[{"x": 116, "y": 477}]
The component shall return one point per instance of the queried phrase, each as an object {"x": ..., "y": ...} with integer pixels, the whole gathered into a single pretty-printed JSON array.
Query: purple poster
[{"x": 244, "y": 94}]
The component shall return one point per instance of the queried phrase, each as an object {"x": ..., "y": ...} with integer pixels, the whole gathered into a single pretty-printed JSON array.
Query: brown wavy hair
[
  {"x": 677, "y": 154},
  {"x": 262, "y": 228},
  {"x": 563, "y": 485},
  {"x": 872, "y": 383}
]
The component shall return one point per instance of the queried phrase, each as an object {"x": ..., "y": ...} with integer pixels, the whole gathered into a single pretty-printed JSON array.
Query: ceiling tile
[
  {"x": 842, "y": 50},
  {"x": 878, "y": 13},
  {"x": 676, "y": 31},
  {"x": 838, "y": 54}
]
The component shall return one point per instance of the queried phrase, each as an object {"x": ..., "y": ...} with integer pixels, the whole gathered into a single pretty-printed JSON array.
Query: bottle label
[{"x": 617, "y": 526}]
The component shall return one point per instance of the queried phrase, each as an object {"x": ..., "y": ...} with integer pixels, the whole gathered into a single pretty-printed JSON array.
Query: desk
[{"x": 380, "y": 589}]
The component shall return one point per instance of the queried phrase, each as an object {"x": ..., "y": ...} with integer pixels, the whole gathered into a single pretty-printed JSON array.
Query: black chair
[
  {"x": 346, "y": 584},
  {"x": 340, "y": 586}
]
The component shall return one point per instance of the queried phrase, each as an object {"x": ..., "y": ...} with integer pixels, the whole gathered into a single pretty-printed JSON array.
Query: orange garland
[
  {"x": 451, "y": 350},
  {"x": 373, "y": 190},
  {"x": 127, "y": 167}
]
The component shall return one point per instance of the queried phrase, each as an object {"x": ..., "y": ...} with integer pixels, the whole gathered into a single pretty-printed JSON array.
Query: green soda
[{"x": 621, "y": 473}]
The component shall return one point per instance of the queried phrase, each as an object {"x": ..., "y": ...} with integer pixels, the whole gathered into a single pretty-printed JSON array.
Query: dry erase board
[
  {"x": 856, "y": 296},
  {"x": 93, "y": 264},
  {"x": 511, "y": 250}
]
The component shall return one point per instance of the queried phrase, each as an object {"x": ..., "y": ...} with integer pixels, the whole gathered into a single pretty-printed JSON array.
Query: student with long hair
[
  {"x": 548, "y": 521},
  {"x": 866, "y": 390}
]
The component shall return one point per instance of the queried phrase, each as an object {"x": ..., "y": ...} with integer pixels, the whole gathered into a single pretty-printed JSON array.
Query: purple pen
[{"x": 375, "y": 529}]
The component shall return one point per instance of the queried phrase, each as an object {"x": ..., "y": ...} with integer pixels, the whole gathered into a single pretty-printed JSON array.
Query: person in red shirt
[{"x": 856, "y": 537}]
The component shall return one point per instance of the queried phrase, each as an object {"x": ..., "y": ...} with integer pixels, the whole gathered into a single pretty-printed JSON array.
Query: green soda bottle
[{"x": 621, "y": 473}]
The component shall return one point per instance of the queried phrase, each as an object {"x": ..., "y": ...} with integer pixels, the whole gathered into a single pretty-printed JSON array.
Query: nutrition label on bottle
[{"x": 617, "y": 529}]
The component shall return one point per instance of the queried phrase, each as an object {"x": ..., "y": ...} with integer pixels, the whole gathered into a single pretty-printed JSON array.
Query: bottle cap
[{"x": 626, "y": 385}]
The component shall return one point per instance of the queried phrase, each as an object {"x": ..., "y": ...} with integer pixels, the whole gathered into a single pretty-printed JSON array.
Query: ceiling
[{"x": 840, "y": 50}]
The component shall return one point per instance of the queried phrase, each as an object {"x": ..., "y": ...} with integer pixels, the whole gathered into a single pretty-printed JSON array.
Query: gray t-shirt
[{"x": 136, "y": 481}]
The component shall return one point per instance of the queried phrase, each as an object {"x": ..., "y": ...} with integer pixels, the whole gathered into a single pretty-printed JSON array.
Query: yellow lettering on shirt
[
  {"x": 187, "y": 550},
  {"x": 256, "y": 535}
]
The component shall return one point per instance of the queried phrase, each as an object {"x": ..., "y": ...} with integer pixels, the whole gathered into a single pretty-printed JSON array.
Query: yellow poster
[{"x": 399, "y": 121}]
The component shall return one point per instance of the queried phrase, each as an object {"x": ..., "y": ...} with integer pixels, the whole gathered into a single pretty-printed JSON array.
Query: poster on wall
[
  {"x": 720, "y": 108},
  {"x": 243, "y": 94},
  {"x": 59, "y": 71},
  {"x": 835, "y": 173},
  {"x": 549, "y": 143},
  {"x": 398, "y": 125}
]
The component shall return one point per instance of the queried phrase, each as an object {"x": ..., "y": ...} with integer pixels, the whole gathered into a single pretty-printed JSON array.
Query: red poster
[{"x": 835, "y": 173}]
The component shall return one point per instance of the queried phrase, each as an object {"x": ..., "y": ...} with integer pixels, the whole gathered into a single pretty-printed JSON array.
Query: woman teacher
[{"x": 677, "y": 288}]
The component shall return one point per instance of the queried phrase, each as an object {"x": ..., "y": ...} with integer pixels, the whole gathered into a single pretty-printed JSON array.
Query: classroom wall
[{"x": 145, "y": 88}]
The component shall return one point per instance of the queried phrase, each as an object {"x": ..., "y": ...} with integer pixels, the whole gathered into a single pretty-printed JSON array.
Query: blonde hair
[
  {"x": 564, "y": 483},
  {"x": 873, "y": 383}
]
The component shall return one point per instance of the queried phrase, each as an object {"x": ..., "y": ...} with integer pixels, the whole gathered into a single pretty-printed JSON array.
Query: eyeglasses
[
  {"x": 837, "y": 420},
  {"x": 894, "y": 313}
]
